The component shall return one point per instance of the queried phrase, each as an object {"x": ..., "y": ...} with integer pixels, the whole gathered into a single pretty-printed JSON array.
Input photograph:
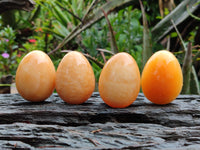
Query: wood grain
[{"x": 54, "y": 124}]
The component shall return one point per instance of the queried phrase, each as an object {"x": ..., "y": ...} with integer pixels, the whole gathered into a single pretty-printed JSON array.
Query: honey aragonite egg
[
  {"x": 75, "y": 81},
  {"x": 35, "y": 76},
  {"x": 119, "y": 82},
  {"x": 162, "y": 78}
]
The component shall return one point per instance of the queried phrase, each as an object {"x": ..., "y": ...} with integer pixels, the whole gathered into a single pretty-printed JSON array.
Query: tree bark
[{"x": 26, "y": 5}]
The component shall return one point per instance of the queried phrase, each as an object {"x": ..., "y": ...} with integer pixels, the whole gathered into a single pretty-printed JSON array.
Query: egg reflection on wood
[
  {"x": 162, "y": 78},
  {"x": 119, "y": 82},
  {"x": 75, "y": 81},
  {"x": 35, "y": 76}
]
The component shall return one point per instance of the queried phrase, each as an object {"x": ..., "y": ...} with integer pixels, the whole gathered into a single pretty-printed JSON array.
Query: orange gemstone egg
[
  {"x": 119, "y": 82},
  {"x": 75, "y": 81},
  {"x": 162, "y": 78},
  {"x": 35, "y": 76}
]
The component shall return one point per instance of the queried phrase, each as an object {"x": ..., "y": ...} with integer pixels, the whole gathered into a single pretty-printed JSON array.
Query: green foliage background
[{"x": 52, "y": 20}]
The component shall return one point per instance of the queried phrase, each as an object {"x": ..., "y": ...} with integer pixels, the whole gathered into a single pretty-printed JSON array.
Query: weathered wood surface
[{"x": 54, "y": 124}]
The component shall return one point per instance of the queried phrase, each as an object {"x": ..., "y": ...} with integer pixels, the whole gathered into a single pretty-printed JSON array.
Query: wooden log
[
  {"x": 99, "y": 136},
  {"x": 94, "y": 125},
  {"x": 26, "y": 5},
  {"x": 183, "y": 111}
]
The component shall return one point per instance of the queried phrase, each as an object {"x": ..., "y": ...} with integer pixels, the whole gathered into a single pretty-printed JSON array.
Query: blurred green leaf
[
  {"x": 186, "y": 68},
  {"x": 113, "y": 43},
  {"x": 194, "y": 83},
  {"x": 60, "y": 15},
  {"x": 179, "y": 14},
  {"x": 92, "y": 18},
  {"x": 147, "y": 47},
  {"x": 173, "y": 34}
]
